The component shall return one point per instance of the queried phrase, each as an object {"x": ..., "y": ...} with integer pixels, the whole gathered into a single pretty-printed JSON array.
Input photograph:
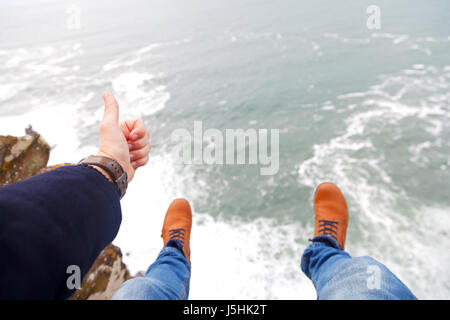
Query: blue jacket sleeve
[{"x": 52, "y": 221}]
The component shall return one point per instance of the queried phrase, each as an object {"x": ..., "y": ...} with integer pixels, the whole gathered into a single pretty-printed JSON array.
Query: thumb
[{"x": 111, "y": 114}]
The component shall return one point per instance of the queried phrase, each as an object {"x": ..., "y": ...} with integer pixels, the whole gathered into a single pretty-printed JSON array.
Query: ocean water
[{"x": 366, "y": 109}]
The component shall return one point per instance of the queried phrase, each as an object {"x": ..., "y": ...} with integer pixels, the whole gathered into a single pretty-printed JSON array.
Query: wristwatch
[{"x": 115, "y": 171}]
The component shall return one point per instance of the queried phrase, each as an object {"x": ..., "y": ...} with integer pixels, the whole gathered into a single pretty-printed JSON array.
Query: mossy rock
[{"x": 22, "y": 157}]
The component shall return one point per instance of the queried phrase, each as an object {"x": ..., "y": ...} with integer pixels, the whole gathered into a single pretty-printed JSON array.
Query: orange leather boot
[
  {"x": 331, "y": 213},
  {"x": 177, "y": 225}
]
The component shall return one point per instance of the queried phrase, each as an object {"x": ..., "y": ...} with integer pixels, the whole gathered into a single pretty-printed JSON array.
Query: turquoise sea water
[{"x": 366, "y": 109}]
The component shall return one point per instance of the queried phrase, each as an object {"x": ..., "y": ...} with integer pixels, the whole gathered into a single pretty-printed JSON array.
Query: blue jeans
[
  {"x": 167, "y": 278},
  {"x": 336, "y": 275}
]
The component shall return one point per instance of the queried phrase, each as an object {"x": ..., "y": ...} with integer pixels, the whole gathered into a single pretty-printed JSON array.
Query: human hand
[{"x": 127, "y": 143}]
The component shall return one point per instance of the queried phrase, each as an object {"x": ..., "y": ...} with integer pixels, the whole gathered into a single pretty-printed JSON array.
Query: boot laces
[
  {"x": 177, "y": 234},
  {"x": 328, "y": 227}
]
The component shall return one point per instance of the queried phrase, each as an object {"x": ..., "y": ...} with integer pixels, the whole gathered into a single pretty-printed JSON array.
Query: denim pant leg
[
  {"x": 336, "y": 275},
  {"x": 167, "y": 278}
]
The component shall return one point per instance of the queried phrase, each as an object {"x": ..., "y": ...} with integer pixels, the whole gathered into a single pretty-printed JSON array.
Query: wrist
[
  {"x": 122, "y": 164},
  {"x": 102, "y": 171}
]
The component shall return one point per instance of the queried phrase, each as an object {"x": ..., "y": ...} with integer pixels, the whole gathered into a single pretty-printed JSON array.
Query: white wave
[
  {"x": 352, "y": 95},
  {"x": 337, "y": 37},
  {"x": 131, "y": 84},
  {"x": 235, "y": 36},
  {"x": 416, "y": 151},
  {"x": 252, "y": 260},
  {"x": 9, "y": 90},
  {"x": 139, "y": 95},
  {"x": 121, "y": 62},
  {"x": 41, "y": 58},
  {"x": 415, "y": 43},
  {"x": 31, "y": 68},
  {"x": 396, "y": 38}
]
